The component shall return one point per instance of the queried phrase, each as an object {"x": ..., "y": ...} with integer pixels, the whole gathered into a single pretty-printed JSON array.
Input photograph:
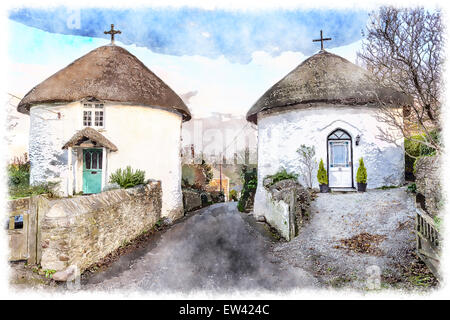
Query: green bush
[
  {"x": 207, "y": 171},
  {"x": 127, "y": 178},
  {"x": 414, "y": 149},
  {"x": 412, "y": 188},
  {"x": 361, "y": 174},
  {"x": 25, "y": 190},
  {"x": 19, "y": 171},
  {"x": 233, "y": 195},
  {"x": 250, "y": 180},
  {"x": 282, "y": 175},
  {"x": 322, "y": 174},
  {"x": 18, "y": 176},
  {"x": 19, "y": 180},
  {"x": 429, "y": 151}
]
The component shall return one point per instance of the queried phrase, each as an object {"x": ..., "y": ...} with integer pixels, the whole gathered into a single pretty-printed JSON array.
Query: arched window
[{"x": 339, "y": 135}]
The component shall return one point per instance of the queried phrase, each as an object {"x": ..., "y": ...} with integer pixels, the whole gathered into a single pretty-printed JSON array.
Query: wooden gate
[
  {"x": 428, "y": 240},
  {"x": 22, "y": 229}
]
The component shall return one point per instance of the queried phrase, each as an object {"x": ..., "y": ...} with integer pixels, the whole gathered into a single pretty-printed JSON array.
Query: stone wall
[
  {"x": 428, "y": 174},
  {"x": 195, "y": 199},
  {"x": 82, "y": 230},
  {"x": 286, "y": 207},
  {"x": 191, "y": 200}
]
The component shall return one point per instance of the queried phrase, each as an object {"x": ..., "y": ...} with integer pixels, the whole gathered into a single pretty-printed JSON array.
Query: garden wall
[
  {"x": 191, "y": 200},
  {"x": 286, "y": 207},
  {"x": 82, "y": 230},
  {"x": 428, "y": 174},
  {"x": 195, "y": 199}
]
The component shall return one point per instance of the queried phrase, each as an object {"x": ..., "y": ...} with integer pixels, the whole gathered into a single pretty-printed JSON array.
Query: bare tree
[
  {"x": 307, "y": 163},
  {"x": 403, "y": 50}
]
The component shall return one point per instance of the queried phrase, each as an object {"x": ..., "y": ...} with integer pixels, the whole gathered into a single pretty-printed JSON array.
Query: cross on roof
[
  {"x": 322, "y": 39},
  {"x": 112, "y": 32}
]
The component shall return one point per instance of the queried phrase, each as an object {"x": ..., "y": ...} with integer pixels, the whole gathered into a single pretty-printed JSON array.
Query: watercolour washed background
[
  {"x": 224, "y": 59},
  {"x": 222, "y": 67},
  {"x": 216, "y": 60}
]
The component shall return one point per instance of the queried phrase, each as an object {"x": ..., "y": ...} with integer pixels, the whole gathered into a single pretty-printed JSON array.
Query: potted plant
[
  {"x": 322, "y": 177},
  {"x": 361, "y": 176}
]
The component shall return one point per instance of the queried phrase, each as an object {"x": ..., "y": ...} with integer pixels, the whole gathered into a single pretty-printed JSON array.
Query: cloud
[{"x": 209, "y": 33}]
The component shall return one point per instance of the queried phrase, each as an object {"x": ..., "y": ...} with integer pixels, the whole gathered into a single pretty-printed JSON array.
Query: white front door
[{"x": 339, "y": 164}]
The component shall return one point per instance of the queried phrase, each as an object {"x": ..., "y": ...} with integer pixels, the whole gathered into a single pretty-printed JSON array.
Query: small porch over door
[
  {"x": 340, "y": 164},
  {"x": 92, "y": 149}
]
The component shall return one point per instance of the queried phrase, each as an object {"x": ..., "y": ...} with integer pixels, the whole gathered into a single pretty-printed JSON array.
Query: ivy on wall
[{"x": 250, "y": 179}]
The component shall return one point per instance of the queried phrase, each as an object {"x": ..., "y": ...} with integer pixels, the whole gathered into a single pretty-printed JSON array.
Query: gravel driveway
[{"x": 385, "y": 214}]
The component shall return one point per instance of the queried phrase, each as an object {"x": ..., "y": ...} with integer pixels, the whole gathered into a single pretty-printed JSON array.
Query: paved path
[
  {"x": 388, "y": 213},
  {"x": 216, "y": 249}
]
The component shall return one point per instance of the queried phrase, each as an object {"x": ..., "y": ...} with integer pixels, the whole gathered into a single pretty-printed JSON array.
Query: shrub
[
  {"x": 249, "y": 178},
  {"x": 207, "y": 171},
  {"x": 282, "y": 175},
  {"x": 412, "y": 188},
  {"x": 18, "y": 176},
  {"x": 361, "y": 174},
  {"x": 19, "y": 180},
  {"x": 217, "y": 196},
  {"x": 19, "y": 171},
  {"x": 25, "y": 190},
  {"x": 322, "y": 173},
  {"x": 414, "y": 149},
  {"x": 233, "y": 195},
  {"x": 429, "y": 151},
  {"x": 127, "y": 178}
]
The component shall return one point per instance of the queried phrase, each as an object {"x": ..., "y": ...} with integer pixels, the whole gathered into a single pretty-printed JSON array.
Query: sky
[{"x": 217, "y": 60}]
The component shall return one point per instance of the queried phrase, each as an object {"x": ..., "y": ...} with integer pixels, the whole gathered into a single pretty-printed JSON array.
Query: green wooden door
[{"x": 92, "y": 170}]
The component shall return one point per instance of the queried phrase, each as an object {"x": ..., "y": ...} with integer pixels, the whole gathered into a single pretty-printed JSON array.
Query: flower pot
[
  {"x": 362, "y": 187},
  {"x": 324, "y": 188}
]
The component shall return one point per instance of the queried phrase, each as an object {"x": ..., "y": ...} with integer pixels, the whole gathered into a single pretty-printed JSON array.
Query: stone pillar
[{"x": 70, "y": 172}]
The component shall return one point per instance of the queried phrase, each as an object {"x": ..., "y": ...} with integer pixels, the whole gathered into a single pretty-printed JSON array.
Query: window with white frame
[{"x": 93, "y": 115}]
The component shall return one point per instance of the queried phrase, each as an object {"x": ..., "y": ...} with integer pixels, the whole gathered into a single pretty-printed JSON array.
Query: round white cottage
[
  {"x": 106, "y": 111},
  {"x": 331, "y": 104}
]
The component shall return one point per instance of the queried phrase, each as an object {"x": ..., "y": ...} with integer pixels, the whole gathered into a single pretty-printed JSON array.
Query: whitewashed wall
[
  {"x": 280, "y": 134},
  {"x": 147, "y": 138}
]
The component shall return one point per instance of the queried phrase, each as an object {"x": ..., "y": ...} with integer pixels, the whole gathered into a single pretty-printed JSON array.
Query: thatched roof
[
  {"x": 91, "y": 135},
  {"x": 328, "y": 79},
  {"x": 108, "y": 73}
]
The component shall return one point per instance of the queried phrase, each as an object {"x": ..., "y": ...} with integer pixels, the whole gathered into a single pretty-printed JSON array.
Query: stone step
[{"x": 343, "y": 190}]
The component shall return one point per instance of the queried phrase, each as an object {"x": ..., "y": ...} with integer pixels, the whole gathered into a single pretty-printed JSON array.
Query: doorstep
[{"x": 343, "y": 190}]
